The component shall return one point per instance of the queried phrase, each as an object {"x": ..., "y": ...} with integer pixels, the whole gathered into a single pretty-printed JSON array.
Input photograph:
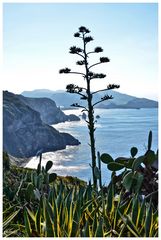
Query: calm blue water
[{"x": 117, "y": 131}]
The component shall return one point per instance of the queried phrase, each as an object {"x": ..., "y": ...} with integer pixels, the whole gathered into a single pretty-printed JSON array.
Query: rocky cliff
[
  {"x": 48, "y": 110},
  {"x": 24, "y": 132}
]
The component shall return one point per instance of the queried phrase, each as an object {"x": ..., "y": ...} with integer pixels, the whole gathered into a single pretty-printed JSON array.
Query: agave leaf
[
  {"x": 9, "y": 219},
  {"x": 107, "y": 223},
  {"x": 11, "y": 233},
  {"x": 154, "y": 229},
  {"x": 87, "y": 204},
  {"x": 135, "y": 209},
  {"x": 56, "y": 216},
  {"x": 72, "y": 209},
  {"x": 31, "y": 176},
  {"x": 155, "y": 232},
  {"x": 88, "y": 216},
  {"x": 123, "y": 207},
  {"x": 48, "y": 218},
  {"x": 31, "y": 214},
  {"x": 29, "y": 191},
  {"x": 50, "y": 196},
  {"x": 133, "y": 151},
  {"x": 99, "y": 230},
  {"x": 9, "y": 210},
  {"x": 114, "y": 166},
  {"x": 110, "y": 197},
  {"x": 130, "y": 225},
  {"x": 141, "y": 214},
  {"x": 75, "y": 225},
  {"x": 122, "y": 230},
  {"x": 41, "y": 202},
  {"x": 66, "y": 217},
  {"x": 129, "y": 207},
  {"x": 86, "y": 231},
  {"x": 116, "y": 217},
  {"x": 49, "y": 226},
  {"x": 68, "y": 199},
  {"x": 155, "y": 215},
  {"x": 27, "y": 224},
  {"x": 88, "y": 193},
  {"x": 49, "y": 210},
  {"x": 38, "y": 221},
  {"x": 62, "y": 217},
  {"x": 106, "y": 158},
  {"x": 79, "y": 204},
  {"x": 94, "y": 225},
  {"x": 35, "y": 179},
  {"x": 148, "y": 221}
]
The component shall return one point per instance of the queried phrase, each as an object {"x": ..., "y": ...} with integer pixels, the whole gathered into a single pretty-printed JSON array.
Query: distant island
[{"x": 64, "y": 100}]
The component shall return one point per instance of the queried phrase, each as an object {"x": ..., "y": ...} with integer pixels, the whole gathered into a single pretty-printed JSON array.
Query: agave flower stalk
[{"x": 86, "y": 93}]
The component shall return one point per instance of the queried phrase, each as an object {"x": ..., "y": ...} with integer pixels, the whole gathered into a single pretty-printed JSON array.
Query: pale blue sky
[{"x": 37, "y": 37}]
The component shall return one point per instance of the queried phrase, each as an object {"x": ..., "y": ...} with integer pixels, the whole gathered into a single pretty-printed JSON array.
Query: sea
[{"x": 117, "y": 130}]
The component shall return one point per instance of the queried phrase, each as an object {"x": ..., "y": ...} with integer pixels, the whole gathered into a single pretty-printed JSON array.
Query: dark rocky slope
[
  {"x": 48, "y": 110},
  {"x": 24, "y": 133}
]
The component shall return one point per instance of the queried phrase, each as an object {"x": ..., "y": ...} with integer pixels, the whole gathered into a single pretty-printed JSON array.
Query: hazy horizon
[{"x": 57, "y": 90}]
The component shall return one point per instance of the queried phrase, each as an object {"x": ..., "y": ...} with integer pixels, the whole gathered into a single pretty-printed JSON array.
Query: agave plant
[
  {"x": 83, "y": 213},
  {"x": 76, "y": 211}
]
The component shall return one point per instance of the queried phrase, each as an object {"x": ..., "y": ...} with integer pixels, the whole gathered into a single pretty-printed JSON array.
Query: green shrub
[{"x": 138, "y": 176}]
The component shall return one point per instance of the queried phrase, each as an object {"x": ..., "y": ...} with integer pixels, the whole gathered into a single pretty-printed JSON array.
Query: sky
[{"x": 37, "y": 38}]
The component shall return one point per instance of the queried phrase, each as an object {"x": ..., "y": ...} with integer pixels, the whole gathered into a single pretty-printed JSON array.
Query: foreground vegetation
[{"x": 39, "y": 204}]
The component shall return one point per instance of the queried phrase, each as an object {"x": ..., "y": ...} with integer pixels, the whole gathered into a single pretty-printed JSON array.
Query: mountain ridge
[{"x": 120, "y": 100}]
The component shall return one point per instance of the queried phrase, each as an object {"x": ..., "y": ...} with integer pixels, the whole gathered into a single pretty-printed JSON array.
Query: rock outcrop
[
  {"x": 48, "y": 110},
  {"x": 24, "y": 132}
]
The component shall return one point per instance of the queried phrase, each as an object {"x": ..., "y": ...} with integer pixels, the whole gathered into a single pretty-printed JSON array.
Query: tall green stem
[{"x": 90, "y": 118}]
